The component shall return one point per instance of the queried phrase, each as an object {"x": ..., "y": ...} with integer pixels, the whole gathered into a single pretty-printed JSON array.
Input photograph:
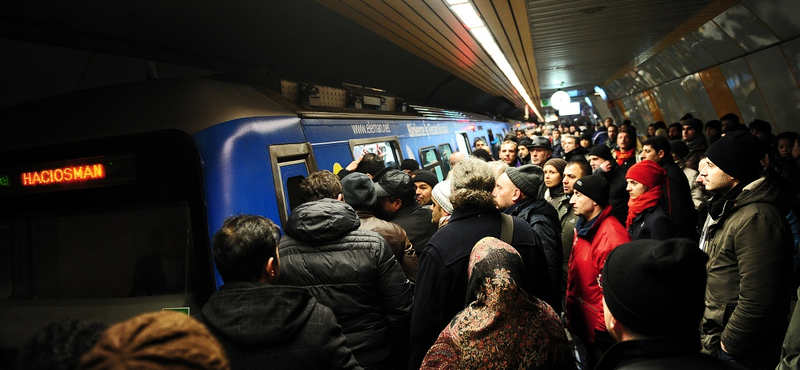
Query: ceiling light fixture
[{"x": 466, "y": 12}]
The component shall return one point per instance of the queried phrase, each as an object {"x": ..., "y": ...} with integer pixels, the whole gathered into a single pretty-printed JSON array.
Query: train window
[
  {"x": 445, "y": 150},
  {"x": 383, "y": 149},
  {"x": 291, "y": 163},
  {"x": 98, "y": 254},
  {"x": 429, "y": 158}
]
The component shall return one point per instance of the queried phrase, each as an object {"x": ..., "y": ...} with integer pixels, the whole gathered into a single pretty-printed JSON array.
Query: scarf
[
  {"x": 642, "y": 203},
  {"x": 623, "y": 156},
  {"x": 505, "y": 327}
]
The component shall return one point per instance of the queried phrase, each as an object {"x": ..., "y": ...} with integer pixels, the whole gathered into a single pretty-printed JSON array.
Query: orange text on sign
[{"x": 64, "y": 175}]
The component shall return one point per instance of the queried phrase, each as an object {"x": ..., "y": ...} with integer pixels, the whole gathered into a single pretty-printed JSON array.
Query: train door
[
  {"x": 291, "y": 163},
  {"x": 463, "y": 143}
]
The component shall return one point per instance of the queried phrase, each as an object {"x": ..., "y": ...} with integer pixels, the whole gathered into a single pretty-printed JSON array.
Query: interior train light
[
  {"x": 466, "y": 12},
  {"x": 64, "y": 175},
  {"x": 559, "y": 100}
]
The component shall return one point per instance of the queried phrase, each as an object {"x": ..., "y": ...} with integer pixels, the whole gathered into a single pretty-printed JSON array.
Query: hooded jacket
[
  {"x": 351, "y": 271},
  {"x": 276, "y": 327},
  {"x": 749, "y": 275}
]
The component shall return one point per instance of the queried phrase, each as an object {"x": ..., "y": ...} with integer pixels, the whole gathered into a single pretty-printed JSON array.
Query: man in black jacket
[
  {"x": 351, "y": 271},
  {"x": 516, "y": 194},
  {"x": 286, "y": 328},
  {"x": 677, "y": 196},
  {"x": 396, "y": 203},
  {"x": 653, "y": 301},
  {"x": 441, "y": 290},
  {"x": 604, "y": 164}
]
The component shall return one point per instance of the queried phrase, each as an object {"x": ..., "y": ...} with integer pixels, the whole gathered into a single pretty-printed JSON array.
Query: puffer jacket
[
  {"x": 594, "y": 240},
  {"x": 351, "y": 271},
  {"x": 749, "y": 275},
  {"x": 281, "y": 326}
]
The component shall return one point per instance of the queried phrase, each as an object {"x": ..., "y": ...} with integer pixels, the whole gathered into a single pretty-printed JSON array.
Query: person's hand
[
  {"x": 606, "y": 166},
  {"x": 352, "y": 166}
]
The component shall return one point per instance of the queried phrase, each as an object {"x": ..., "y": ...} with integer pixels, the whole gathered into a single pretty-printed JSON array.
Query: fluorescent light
[{"x": 468, "y": 15}]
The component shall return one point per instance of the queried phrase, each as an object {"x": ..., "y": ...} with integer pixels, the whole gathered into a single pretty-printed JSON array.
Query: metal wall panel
[
  {"x": 744, "y": 89},
  {"x": 781, "y": 16},
  {"x": 696, "y": 52},
  {"x": 791, "y": 50},
  {"x": 667, "y": 103},
  {"x": 777, "y": 85},
  {"x": 704, "y": 109},
  {"x": 717, "y": 42},
  {"x": 682, "y": 97},
  {"x": 681, "y": 62},
  {"x": 745, "y": 29}
]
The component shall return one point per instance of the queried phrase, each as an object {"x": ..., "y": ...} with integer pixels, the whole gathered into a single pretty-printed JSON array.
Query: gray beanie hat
[
  {"x": 441, "y": 194},
  {"x": 527, "y": 178},
  {"x": 359, "y": 191}
]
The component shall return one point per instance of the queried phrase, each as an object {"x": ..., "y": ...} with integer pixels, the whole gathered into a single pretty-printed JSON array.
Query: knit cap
[
  {"x": 527, "y": 178},
  {"x": 441, "y": 194},
  {"x": 427, "y": 177},
  {"x": 656, "y": 288},
  {"x": 679, "y": 147},
  {"x": 558, "y": 163},
  {"x": 526, "y": 142},
  {"x": 409, "y": 164},
  {"x": 158, "y": 340},
  {"x": 647, "y": 173},
  {"x": 738, "y": 154},
  {"x": 602, "y": 151},
  {"x": 595, "y": 187},
  {"x": 695, "y": 124},
  {"x": 359, "y": 191}
]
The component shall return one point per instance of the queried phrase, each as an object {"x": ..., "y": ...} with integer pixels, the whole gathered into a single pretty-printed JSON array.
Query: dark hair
[
  {"x": 371, "y": 163},
  {"x": 730, "y": 117},
  {"x": 60, "y": 345},
  {"x": 686, "y": 116},
  {"x": 761, "y": 126},
  {"x": 510, "y": 137},
  {"x": 661, "y": 124},
  {"x": 477, "y": 139},
  {"x": 787, "y": 135},
  {"x": 320, "y": 185},
  {"x": 243, "y": 245},
  {"x": 482, "y": 154},
  {"x": 585, "y": 167},
  {"x": 659, "y": 143},
  {"x": 676, "y": 124}
]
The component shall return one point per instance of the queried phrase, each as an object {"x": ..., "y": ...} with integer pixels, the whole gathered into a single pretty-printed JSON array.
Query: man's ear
[
  {"x": 271, "y": 271},
  {"x": 340, "y": 197},
  {"x": 517, "y": 195}
]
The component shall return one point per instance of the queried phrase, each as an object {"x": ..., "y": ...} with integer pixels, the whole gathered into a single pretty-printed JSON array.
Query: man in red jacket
[{"x": 597, "y": 233}]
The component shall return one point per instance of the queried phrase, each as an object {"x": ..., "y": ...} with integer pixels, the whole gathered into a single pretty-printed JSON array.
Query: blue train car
[{"x": 109, "y": 197}]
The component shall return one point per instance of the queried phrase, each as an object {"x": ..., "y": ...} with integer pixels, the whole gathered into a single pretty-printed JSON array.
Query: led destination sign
[
  {"x": 68, "y": 174},
  {"x": 71, "y": 174}
]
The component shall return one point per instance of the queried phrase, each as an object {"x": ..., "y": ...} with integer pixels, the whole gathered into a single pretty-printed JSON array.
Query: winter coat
[
  {"x": 660, "y": 353},
  {"x": 543, "y": 219},
  {"x": 351, "y": 271},
  {"x": 678, "y": 202},
  {"x": 749, "y": 272},
  {"x": 393, "y": 233},
  {"x": 276, "y": 327},
  {"x": 416, "y": 221},
  {"x": 441, "y": 290},
  {"x": 653, "y": 223},
  {"x": 594, "y": 240}
]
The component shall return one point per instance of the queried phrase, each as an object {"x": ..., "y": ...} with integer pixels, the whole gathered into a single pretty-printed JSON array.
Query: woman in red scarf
[{"x": 647, "y": 218}]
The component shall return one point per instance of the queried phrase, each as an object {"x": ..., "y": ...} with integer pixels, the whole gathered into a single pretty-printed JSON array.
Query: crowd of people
[{"x": 594, "y": 249}]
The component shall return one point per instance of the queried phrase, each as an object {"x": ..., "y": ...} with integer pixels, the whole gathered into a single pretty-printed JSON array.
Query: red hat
[{"x": 647, "y": 173}]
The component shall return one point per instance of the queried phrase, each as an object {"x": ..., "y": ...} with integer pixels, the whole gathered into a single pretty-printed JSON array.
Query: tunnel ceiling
[{"x": 415, "y": 49}]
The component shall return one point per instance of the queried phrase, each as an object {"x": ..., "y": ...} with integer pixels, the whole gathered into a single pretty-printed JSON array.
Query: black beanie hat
[
  {"x": 656, "y": 288},
  {"x": 409, "y": 164},
  {"x": 595, "y": 187},
  {"x": 695, "y": 124},
  {"x": 679, "y": 147},
  {"x": 738, "y": 154},
  {"x": 527, "y": 178},
  {"x": 602, "y": 151},
  {"x": 427, "y": 177},
  {"x": 359, "y": 191}
]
